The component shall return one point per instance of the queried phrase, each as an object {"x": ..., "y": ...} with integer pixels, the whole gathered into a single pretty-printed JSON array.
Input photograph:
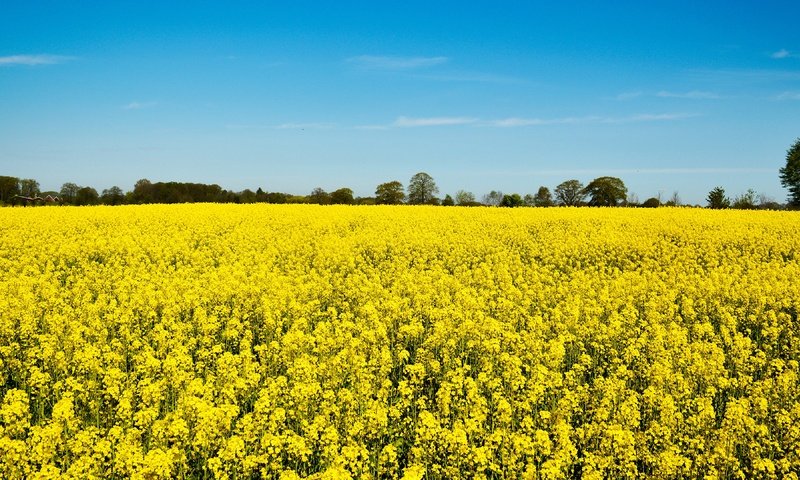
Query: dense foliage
[{"x": 225, "y": 341}]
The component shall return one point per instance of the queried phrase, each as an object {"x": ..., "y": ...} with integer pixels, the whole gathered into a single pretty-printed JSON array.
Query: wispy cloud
[
  {"x": 782, "y": 53},
  {"x": 282, "y": 126},
  {"x": 628, "y": 95},
  {"x": 788, "y": 96},
  {"x": 304, "y": 126},
  {"x": 433, "y": 121},
  {"x": 384, "y": 62},
  {"x": 468, "y": 77},
  {"x": 743, "y": 76},
  {"x": 33, "y": 60},
  {"x": 693, "y": 95},
  {"x": 644, "y": 117},
  {"x": 139, "y": 105}
]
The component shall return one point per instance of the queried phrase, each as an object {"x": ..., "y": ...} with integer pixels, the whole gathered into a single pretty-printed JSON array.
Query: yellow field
[{"x": 203, "y": 341}]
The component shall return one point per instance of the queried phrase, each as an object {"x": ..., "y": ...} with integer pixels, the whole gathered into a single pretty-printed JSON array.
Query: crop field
[{"x": 264, "y": 341}]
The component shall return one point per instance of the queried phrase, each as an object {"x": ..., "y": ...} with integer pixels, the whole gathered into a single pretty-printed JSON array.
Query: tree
[
  {"x": 570, "y": 193},
  {"x": 68, "y": 192},
  {"x": 86, "y": 196},
  {"x": 247, "y": 196},
  {"x": 651, "y": 202},
  {"x": 9, "y": 186},
  {"x": 422, "y": 189},
  {"x": 543, "y": 197},
  {"x": 745, "y": 201},
  {"x": 464, "y": 198},
  {"x": 448, "y": 201},
  {"x": 342, "y": 196},
  {"x": 674, "y": 200},
  {"x": 606, "y": 192},
  {"x": 113, "y": 196},
  {"x": 716, "y": 198},
  {"x": 142, "y": 191},
  {"x": 29, "y": 187},
  {"x": 493, "y": 198},
  {"x": 389, "y": 193},
  {"x": 319, "y": 196},
  {"x": 513, "y": 200},
  {"x": 790, "y": 173}
]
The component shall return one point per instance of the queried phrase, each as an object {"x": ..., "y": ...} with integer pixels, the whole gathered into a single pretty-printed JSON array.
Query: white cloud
[
  {"x": 303, "y": 126},
  {"x": 628, "y": 95},
  {"x": 694, "y": 95},
  {"x": 33, "y": 60},
  {"x": 652, "y": 117},
  {"x": 788, "y": 96},
  {"x": 782, "y": 53},
  {"x": 139, "y": 105},
  {"x": 432, "y": 121},
  {"x": 379, "y": 62},
  {"x": 645, "y": 117}
]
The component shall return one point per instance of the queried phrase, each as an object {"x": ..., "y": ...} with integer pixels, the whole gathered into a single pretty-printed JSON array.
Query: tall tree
[
  {"x": 389, "y": 193},
  {"x": 493, "y": 198},
  {"x": 29, "y": 187},
  {"x": 422, "y": 189},
  {"x": 606, "y": 192},
  {"x": 143, "y": 191},
  {"x": 464, "y": 198},
  {"x": 716, "y": 198},
  {"x": 543, "y": 197},
  {"x": 570, "y": 193},
  {"x": 790, "y": 173},
  {"x": 113, "y": 196},
  {"x": 68, "y": 192},
  {"x": 448, "y": 201},
  {"x": 9, "y": 186}
]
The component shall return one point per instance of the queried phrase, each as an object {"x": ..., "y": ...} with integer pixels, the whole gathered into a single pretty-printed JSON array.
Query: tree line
[{"x": 421, "y": 190}]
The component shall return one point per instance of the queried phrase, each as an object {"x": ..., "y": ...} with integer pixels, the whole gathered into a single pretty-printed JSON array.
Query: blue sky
[{"x": 288, "y": 96}]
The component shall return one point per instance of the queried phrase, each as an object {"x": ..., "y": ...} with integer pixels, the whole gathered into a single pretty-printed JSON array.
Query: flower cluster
[{"x": 266, "y": 341}]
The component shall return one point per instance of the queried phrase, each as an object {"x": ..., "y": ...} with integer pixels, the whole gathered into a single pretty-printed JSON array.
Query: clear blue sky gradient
[{"x": 288, "y": 96}]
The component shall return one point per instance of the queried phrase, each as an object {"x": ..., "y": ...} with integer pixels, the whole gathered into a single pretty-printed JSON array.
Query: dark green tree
[
  {"x": 68, "y": 192},
  {"x": 448, "y": 201},
  {"x": 543, "y": 197},
  {"x": 87, "y": 196},
  {"x": 113, "y": 196},
  {"x": 389, "y": 193},
  {"x": 570, "y": 193},
  {"x": 9, "y": 187},
  {"x": 29, "y": 187},
  {"x": 422, "y": 189},
  {"x": 342, "y": 196},
  {"x": 606, "y": 192},
  {"x": 652, "y": 202},
  {"x": 513, "y": 200},
  {"x": 790, "y": 174},
  {"x": 716, "y": 198},
  {"x": 142, "y": 191},
  {"x": 319, "y": 196}
]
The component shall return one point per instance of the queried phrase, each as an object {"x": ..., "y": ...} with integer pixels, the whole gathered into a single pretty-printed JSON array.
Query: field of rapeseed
[{"x": 207, "y": 341}]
